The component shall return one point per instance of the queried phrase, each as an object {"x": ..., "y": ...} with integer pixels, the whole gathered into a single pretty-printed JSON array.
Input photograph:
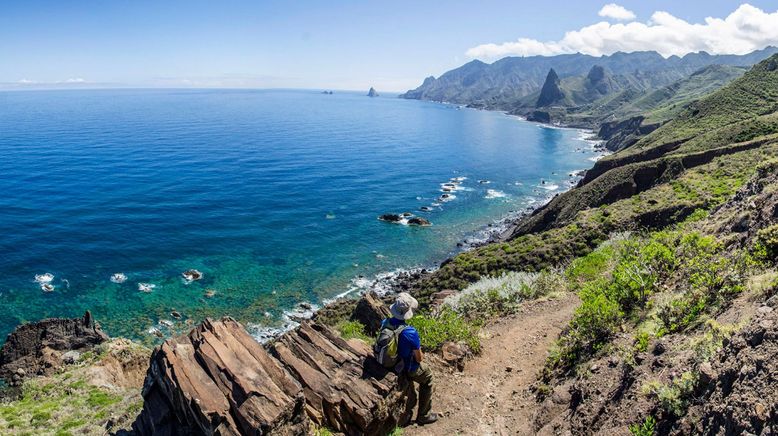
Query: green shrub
[
  {"x": 446, "y": 326},
  {"x": 674, "y": 397},
  {"x": 496, "y": 296},
  {"x": 767, "y": 243},
  {"x": 711, "y": 341},
  {"x": 352, "y": 330},
  {"x": 646, "y": 428},
  {"x": 593, "y": 324},
  {"x": 641, "y": 341},
  {"x": 682, "y": 311},
  {"x": 590, "y": 267}
]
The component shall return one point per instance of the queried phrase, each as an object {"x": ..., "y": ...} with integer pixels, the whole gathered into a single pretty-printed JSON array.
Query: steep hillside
[
  {"x": 694, "y": 162},
  {"x": 672, "y": 247}
]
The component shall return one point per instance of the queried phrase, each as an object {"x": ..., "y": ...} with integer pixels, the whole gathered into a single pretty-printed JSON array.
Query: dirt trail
[{"x": 491, "y": 396}]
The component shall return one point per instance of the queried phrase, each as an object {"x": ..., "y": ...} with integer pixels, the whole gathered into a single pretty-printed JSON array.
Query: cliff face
[{"x": 219, "y": 380}]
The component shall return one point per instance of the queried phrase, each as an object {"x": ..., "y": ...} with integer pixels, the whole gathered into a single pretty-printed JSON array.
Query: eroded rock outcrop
[
  {"x": 219, "y": 380},
  {"x": 39, "y": 348},
  {"x": 370, "y": 311}
]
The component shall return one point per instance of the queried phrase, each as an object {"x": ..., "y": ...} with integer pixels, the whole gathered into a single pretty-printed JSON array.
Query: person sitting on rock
[{"x": 409, "y": 350}]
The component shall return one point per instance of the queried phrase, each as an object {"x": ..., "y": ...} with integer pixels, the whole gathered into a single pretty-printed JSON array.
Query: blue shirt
[{"x": 409, "y": 342}]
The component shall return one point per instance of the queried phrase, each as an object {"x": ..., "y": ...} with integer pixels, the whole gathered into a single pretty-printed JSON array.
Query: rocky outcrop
[
  {"x": 370, "y": 312},
  {"x": 539, "y": 117},
  {"x": 372, "y": 92},
  {"x": 624, "y": 133},
  {"x": 740, "y": 395},
  {"x": 551, "y": 92},
  {"x": 40, "y": 348},
  {"x": 219, "y": 380}
]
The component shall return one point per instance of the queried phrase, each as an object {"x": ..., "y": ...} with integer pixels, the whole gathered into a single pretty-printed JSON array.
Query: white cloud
[
  {"x": 76, "y": 80},
  {"x": 746, "y": 29},
  {"x": 617, "y": 12}
]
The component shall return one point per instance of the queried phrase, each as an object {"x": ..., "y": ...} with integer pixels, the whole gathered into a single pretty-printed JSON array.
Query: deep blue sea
[{"x": 273, "y": 195}]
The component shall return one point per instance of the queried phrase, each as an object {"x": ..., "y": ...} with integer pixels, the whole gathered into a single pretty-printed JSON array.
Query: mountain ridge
[{"x": 501, "y": 84}]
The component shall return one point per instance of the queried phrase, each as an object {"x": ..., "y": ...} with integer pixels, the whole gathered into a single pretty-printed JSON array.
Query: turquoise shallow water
[{"x": 274, "y": 195}]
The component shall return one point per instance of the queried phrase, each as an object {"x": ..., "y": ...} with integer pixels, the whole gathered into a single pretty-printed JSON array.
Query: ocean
[{"x": 272, "y": 194}]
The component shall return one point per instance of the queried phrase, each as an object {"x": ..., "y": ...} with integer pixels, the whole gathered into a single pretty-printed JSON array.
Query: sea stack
[{"x": 372, "y": 92}]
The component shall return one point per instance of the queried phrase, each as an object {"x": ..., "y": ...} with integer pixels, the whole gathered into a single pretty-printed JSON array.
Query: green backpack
[{"x": 385, "y": 348}]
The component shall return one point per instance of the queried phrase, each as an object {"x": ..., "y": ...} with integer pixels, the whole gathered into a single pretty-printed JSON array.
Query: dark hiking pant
[{"x": 423, "y": 376}]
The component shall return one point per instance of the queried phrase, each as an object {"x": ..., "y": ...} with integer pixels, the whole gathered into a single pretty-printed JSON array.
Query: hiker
[{"x": 399, "y": 347}]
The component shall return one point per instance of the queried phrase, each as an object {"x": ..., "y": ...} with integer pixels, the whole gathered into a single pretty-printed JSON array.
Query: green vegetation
[
  {"x": 674, "y": 397},
  {"x": 617, "y": 281},
  {"x": 353, "y": 330},
  {"x": 766, "y": 248},
  {"x": 446, "y": 326},
  {"x": 60, "y": 406},
  {"x": 646, "y": 428},
  {"x": 67, "y": 403},
  {"x": 707, "y": 344},
  {"x": 496, "y": 296},
  {"x": 742, "y": 101},
  {"x": 321, "y": 431}
]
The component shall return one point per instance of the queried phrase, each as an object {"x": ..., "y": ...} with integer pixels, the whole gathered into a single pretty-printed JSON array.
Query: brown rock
[
  {"x": 438, "y": 297},
  {"x": 455, "y": 354},
  {"x": 370, "y": 311},
  {"x": 37, "y": 348},
  {"x": 219, "y": 380}
]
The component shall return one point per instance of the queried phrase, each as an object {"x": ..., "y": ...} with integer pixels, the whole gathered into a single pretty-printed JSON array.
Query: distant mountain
[
  {"x": 505, "y": 83},
  {"x": 598, "y": 97}
]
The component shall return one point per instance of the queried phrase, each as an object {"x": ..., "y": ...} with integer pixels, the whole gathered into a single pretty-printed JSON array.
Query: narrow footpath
[{"x": 491, "y": 396}]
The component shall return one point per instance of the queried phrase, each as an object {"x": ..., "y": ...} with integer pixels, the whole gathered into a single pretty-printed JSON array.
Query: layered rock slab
[{"x": 219, "y": 381}]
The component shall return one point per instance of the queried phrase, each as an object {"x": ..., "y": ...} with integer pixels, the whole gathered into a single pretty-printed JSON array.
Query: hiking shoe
[{"x": 429, "y": 419}]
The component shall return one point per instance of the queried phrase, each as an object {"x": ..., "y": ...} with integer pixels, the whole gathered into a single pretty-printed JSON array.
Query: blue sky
[{"x": 345, "y": 44}]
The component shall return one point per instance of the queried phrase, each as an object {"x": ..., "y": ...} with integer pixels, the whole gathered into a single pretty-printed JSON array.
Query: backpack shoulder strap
[{"x": 399, "y": 329}]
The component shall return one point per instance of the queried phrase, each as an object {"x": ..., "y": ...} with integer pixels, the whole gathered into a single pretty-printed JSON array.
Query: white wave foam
[
  {"x": 446, "y": 197},
  {"x": 44, "y": 278},
  {"x": 47, "y": 287},
  {"x": 549, "y": 187},
  {"x": 146, "y": 287},
  {"x": 290, "y": 319},
  {"x": 493, "y": 193},
  {"x": 118, "y": 278}
]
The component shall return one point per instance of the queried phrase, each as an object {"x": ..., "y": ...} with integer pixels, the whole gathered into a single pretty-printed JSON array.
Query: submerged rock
[
  {"x": 419, "y": 221},
  {"x": 390, "y": 217},
  {"x": 192, "y": 275}
]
